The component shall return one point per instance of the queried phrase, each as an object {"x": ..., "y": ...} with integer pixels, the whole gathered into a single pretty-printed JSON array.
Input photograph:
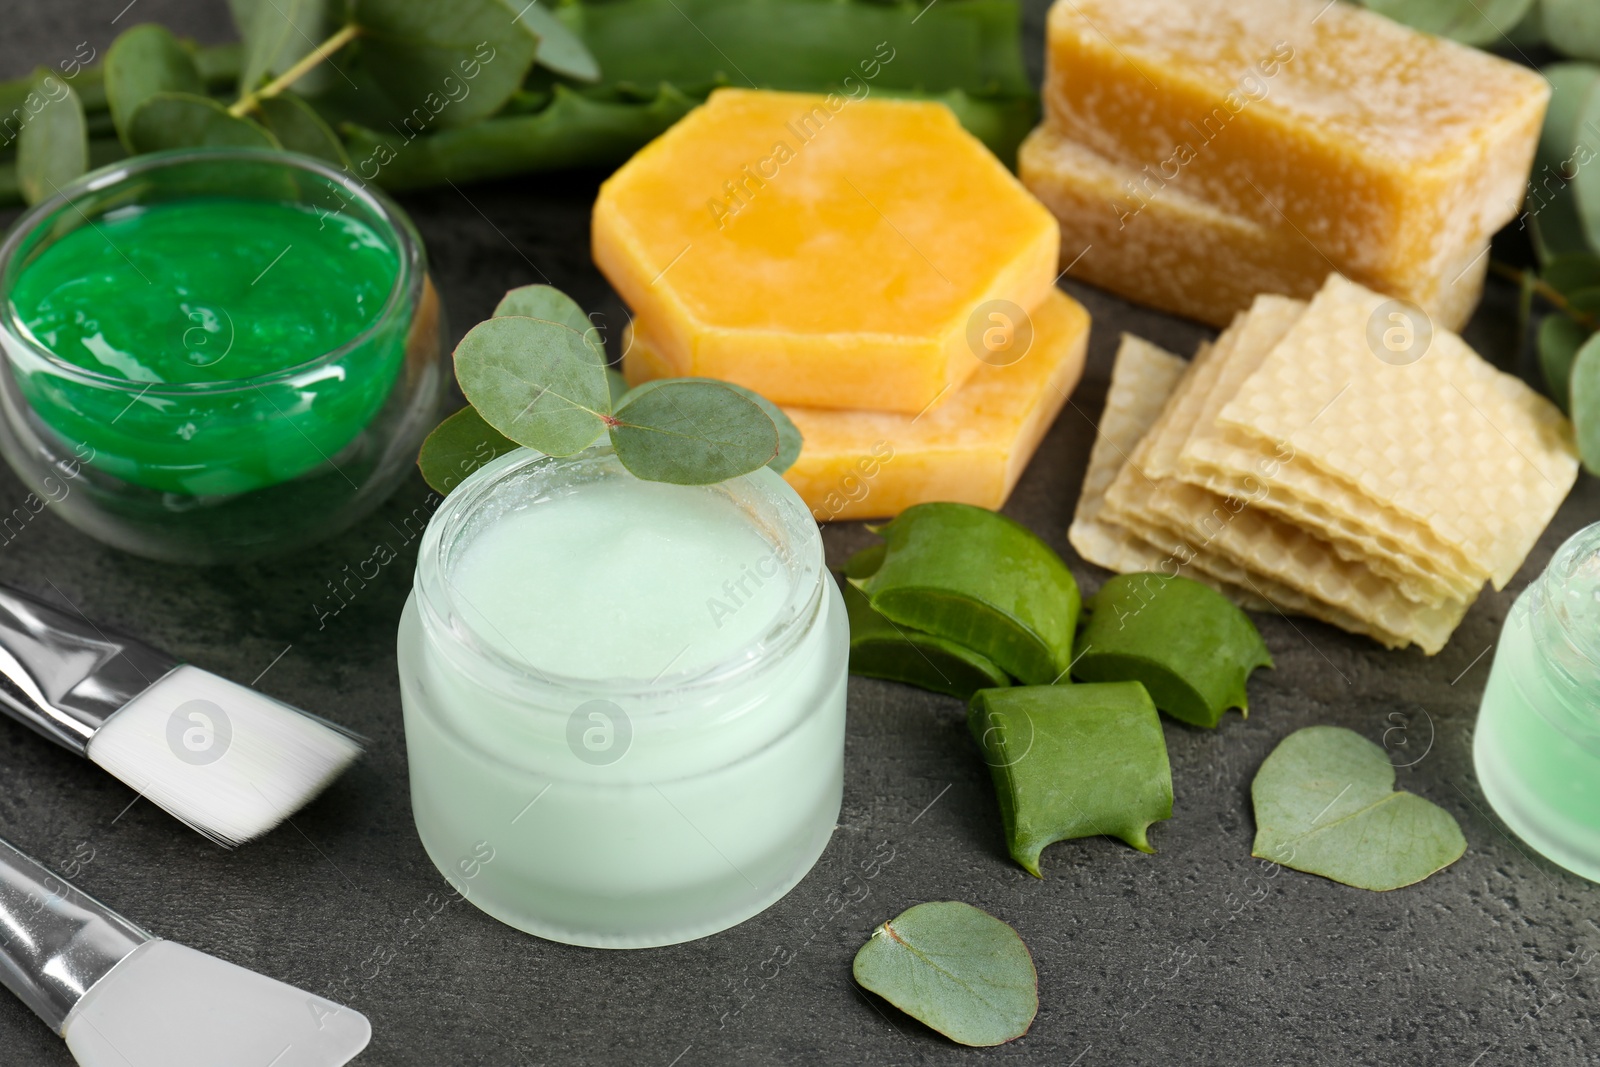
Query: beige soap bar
[
  {"x": 1180, "y": 254},
  {"x": 970, "y": 448},
  {"x": 1389, "y": 150}
]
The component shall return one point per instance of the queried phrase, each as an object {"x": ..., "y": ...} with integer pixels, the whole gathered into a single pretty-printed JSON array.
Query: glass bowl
[{"x": 228, "y": 470}]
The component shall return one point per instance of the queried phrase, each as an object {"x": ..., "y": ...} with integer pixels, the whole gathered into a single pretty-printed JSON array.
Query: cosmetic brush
[
  {"x": 229, "y": 761},
  {"x": 122, "y": 998}
]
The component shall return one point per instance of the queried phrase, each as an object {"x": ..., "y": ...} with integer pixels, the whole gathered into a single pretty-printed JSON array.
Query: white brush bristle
[{"x": 229, "y": 761}]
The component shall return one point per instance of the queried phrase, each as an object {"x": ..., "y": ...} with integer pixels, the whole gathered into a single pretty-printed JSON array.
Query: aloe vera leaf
[
  {"x": 806, "y": 44},
  {"x": 1073, "y": 761},
  {"x": 880, "y": 649},
  {"x": 979, "y": 579},
  {"x": 574, "y": 131},
  {"x": 579, "y": 129},
  {"x": 1190, "y": 647}
]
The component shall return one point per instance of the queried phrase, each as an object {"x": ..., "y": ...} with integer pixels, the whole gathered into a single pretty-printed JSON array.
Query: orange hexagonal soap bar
[{"x": 824, "y": 250}]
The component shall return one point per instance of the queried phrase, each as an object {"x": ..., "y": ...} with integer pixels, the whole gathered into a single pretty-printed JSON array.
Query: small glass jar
[
  {"x": 227, "y": 470},
  {"x": 623, "y": 812},
  {"x": 1537, "y": 745}
]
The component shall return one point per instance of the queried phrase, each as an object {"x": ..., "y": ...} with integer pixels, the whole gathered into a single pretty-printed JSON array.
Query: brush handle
[
  {"x": 64, "y": 676},
  {"x": 55, "y": 941}
]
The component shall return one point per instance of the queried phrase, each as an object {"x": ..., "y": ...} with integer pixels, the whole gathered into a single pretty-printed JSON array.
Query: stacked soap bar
[
  {"x": 1299, "y": 463},
  {"x": 968, "y": 449},
  {"x": 1196, "y": 151},
  {"x": 865, "y": 263}
]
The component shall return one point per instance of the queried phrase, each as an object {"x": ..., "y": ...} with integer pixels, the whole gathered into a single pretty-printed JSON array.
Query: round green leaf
[
  {"x": 445, "y": 64},
  {"x": 1560, "y": 337},
  {"x": 53, "y": 144},
  {"x": 140, "y": 63},
  {"x": 458, "y": 446},
  {"x": 789, "y": 439},
  {"x": 1573, "y": 27},
  {"x": 1586, "y": 402},
  {"x": 1326, "y": 804},
  {"x": 546, "y": 302},
  {"x": 537, "y": 382},
  {"x": 1475, "y": 22},
  {"x": 560, "y": 49},
  {"x": 616, "y": 385},
  {"x": 181, "y": 120},
  {"x": 692, "y": 433},
  {"x": 277, "y": 34},
  {"x": 1584, "y": 162},
  {"x": 299, "y": 128},
  {"x": 955, "y": 968}
]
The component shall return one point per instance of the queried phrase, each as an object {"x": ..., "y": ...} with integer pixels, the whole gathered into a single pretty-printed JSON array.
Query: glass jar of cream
[
  {"x": 1537, "y": 745},
  {"x": 213, "y": 354},
  {"x": 624, "y": 700}
]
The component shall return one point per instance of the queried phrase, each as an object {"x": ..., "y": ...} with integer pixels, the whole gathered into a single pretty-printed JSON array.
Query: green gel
[{"x": 189, "y": 312}]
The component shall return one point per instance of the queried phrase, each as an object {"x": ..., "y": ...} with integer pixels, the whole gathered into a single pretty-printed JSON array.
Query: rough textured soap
[
  {"x": 969, "y": 448},
  {"x": 1180, "y": 254},
  {"x": 1389, "y": 149},
  {"x": 822, "y": 250}
]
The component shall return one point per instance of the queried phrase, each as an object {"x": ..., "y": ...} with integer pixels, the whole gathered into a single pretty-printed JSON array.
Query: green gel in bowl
[{"x": 227, "y": 344}]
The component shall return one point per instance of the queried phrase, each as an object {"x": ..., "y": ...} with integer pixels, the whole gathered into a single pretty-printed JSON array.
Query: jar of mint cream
[
  {"x": 624, "y": 700},
  {"x": 1537, "y": 746}
]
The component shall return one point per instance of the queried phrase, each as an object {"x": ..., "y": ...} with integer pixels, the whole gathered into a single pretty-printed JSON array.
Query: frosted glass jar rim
[
  {"x": 393, "y": 226},
  {"x": 1582, "y": 546},
  {"x": 447, "y": 628}
]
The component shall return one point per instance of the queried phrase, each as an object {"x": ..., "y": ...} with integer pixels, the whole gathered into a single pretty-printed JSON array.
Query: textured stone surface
[{"x": 1192, "y": 956}]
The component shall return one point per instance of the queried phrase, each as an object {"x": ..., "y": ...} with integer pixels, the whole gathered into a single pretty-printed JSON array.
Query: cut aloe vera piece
[
  {"x": 1189, "y": 645},
  {"x": 1073, "y": 761},
  {"x": 981, "y": 580},
  {"x": 882, "y": 649}
]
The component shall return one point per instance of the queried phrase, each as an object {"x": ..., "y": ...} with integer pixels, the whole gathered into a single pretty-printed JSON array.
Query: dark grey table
[{"x": 1190, "y": 956}]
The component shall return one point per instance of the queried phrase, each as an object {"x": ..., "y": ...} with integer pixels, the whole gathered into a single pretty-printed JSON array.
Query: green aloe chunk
[
  {"x": 981, "y": 580},
  {"x": 1073, "y": 761},
  {"x": 1190, "y": 646},
  {"x": 881, "y": 649}
]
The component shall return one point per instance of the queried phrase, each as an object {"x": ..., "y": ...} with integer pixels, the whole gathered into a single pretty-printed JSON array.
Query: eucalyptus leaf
[
  {"x": 1552, "y": 202},
  {"x": 692, "y": 433},
  {"x": 458, "y": 446},
  {"x": 1189, "y": 645},
  {"x": 1325, "y": 803},
  {"x": 617, "y": 385},
  {"x": 1560, "y": 337},
  {"x": 549, "y": 303},
  {"x": 1585, "y": 170},
  {"x": 279, "y": 33},
  {"x": 1573, "y": 27},
  {"x": 183, "y": 120},
  {"x": 955, "y": 968},
  {"x": 1529, "y": 33},
  {"x": 560, "y": 49},
  {"x": 445, "y": 64},
  {"x": 298, "y": 128},
  {"x": 143, "y": 61},
  {"x": 789, "y": 439},
  {"x": 53, "y": 144},
  {"x": 1586, "y": 402},
  {"x": 1474, "y": 22},
  {"x": 539, "y": 383},
  {"x": 1073, "y": 761}
]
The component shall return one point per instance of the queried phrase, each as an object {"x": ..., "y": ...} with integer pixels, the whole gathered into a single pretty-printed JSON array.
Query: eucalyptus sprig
[
  {"x": 535, "y": 375},
  {"x": 409, "y": 93}
]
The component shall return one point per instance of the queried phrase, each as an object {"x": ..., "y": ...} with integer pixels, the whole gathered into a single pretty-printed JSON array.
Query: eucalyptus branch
[
  {"x": 247, "y": 103},
  {"x": 1550, "y": 293}
]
